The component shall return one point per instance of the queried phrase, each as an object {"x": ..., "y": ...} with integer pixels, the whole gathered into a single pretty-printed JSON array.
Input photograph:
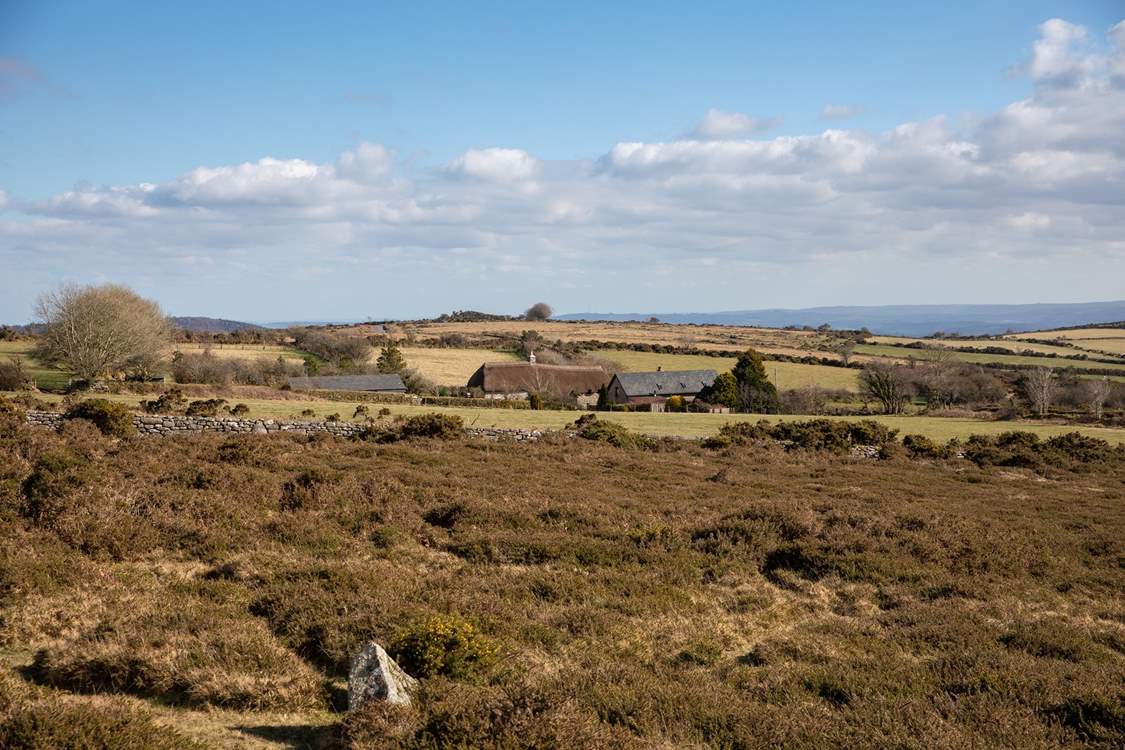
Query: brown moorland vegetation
[{"x": 647, "y": 594}]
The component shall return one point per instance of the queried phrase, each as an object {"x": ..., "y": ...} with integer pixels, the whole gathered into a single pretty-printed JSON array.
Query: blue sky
[{"x": 504, "y": 153}]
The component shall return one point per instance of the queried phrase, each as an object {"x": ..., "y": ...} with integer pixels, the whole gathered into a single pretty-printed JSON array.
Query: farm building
[
  {"x": 653, "y": 389},
  {"x": 372, "y": 383},
  {"x": 518, "y": 379}
]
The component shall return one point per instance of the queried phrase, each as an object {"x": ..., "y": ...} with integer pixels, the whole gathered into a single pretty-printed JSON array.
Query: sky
[{"x": 263, "y": 162}]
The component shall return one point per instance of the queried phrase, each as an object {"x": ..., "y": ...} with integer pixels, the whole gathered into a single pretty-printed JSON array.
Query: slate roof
[
  {"x": 525, "y": 377},
  {"x": 382, "y": 383},
  {"x": 661, "y": 383}
]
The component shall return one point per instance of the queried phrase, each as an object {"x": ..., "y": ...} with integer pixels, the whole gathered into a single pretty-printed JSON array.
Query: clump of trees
[
  {"x": 888, "y": 384},
  {"x": 99, "y": 331},
  {"x": 539, "y": 311},
  {"x": 346, "y": 353},
  {"x": 745, "y": 388}
]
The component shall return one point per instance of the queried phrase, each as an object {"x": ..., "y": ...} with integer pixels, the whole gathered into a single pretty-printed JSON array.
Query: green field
[
  {"x": 785, "y": 375},
  {"x": 45, "y": 377},
  {"x": 662, "y": 424},
  {"x": 898, "y": 352}
]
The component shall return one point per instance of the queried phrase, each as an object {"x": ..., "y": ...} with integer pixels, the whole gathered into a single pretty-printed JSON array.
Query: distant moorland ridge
[{"x": 900, "y": 320}]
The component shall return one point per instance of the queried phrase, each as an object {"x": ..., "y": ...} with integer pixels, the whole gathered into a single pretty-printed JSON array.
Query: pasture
[
  {"x": 899, "y": 353},
  {"x": 44, "y": 376},
  {"x": 784, "y": 375},
  {"x": 660, "y": 425},
  {"x": 450, "y": 367}
]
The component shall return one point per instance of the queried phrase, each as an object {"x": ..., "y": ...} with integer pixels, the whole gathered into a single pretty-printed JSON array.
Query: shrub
[
  {"x": 57, "y": 725},
  {"x": 206, "y": 407},
  {"x": 675, "y": 403},
  {"x": 439, "y": 426},
  {"x": 12, "y": 375},
  {"x": 240, "y": 410},
  {"x": 110, "y": 417},
  {"x": 589, "y": 427},
  {"x": 361, "y": 411},
  {"x": 920, "y": 446},
  {"x": 169, "y": 402},
  {"x": 444, "y": 645},
  {"x": 870, "y": 432}
]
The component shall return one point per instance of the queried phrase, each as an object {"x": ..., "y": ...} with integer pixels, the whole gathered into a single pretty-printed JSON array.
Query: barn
[{"x": 653, "y": 389}]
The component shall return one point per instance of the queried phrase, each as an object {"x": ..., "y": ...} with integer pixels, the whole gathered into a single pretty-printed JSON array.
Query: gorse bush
[
  {"x": 444, "y": 645},
  {"x": 436, "y": 426},
  {"x": 814, "y": 434},
  {"x": 111, "y": 418},
  {"x": 170, "y": 401},
  {"x": 210, "y": 407},
  {"x": 589, "y": 427}
]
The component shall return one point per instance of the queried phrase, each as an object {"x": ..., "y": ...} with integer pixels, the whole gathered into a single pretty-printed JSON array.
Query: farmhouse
[
  {"x": 372, "y": 383},
  {"x": 653, "y": 389},
  {"x": 518, "y": 379}
]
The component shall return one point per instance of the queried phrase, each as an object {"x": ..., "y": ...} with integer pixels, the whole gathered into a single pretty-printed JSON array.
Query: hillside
[
  {"x": 898, "y": 320},
  {"x": 200, "y": 324},
  {"x": 212, "y": 589}
]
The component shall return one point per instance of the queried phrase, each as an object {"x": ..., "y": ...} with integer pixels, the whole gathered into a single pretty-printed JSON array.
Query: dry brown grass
[{"x": 678, "y": 597}]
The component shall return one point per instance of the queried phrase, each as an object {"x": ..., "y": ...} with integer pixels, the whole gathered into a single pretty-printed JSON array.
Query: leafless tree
[
  {"x": 1097, "y": 393},
  {"x": 887, "y": 384},
  {"x": 539, "y": 311},
  {"x": 1039, "y": 388},
  {"x": 94, "y": 331},
  {"x": 845, "y": 348}
]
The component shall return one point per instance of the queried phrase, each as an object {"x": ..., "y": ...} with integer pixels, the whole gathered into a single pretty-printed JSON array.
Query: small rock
[
  {"x": 375, "y": 676},
  {"x": 260, "y": 429}
]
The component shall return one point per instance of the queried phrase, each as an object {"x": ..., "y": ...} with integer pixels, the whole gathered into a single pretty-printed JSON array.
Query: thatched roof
[
  {"x": 378, "y": 383},
  {"x": 525, "y": 377}
]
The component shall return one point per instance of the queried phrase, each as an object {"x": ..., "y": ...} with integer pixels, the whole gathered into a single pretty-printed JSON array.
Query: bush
[
  {"x": 110, "y": 417},
  {"x": 589, "y": 427},
  {"x": 444, "y": 645},
  {"x": 56, "y": 725},
  {"x": 206, "y": 407},
  {"x": 169, "y": 402},
  {"x": 920, "y": 446},
  {"x": 240, "y": 410},
  {"x": 439, "y": 426},
  {"x": 12, "y": 376}
]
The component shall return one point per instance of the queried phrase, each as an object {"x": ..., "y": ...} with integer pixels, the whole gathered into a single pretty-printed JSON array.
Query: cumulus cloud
[
  {"x": 1041, "y": 180},
  {"x": 720, "y": 125},
  {"x": 494, "y": 165},
  {"x": 840, "y": 111}
]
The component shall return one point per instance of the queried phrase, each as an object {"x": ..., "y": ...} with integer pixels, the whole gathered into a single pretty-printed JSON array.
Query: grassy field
[
  {"x": 661, "y": 424},
  {"x": 451, "y": 366},
  {"x": 1012, "y": 345},
  {"x": 242, "y": 351},
  {"x": 783, "y": 374},
  {"x": 45, "y": 377},
  {"x": 208, "y": 592},
  {"x": 1072, "y": 334},
  {"x": 895, "y": 352},
  {"x": 703, "y": 337}
]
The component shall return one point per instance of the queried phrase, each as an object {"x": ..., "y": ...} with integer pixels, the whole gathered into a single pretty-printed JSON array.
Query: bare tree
[
  {"x": 845, "y": 348},
  {"x": 94, "y": 331},
  {"x": 887, "y": 384},
  {"x": 539, "y": 311},
  {"x": 1097, "y": 393},
  {"x": 1039, "y": 387}
]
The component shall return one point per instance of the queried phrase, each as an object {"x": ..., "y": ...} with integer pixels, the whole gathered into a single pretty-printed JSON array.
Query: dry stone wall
[{"x": 171, "y": 424}]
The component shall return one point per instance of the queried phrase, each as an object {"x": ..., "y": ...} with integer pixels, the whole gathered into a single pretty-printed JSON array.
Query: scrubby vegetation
[{"x": 570, "y": 593}]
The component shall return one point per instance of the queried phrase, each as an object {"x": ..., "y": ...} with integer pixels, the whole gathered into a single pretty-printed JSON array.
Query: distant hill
[
  {"x": 200, "y": 324},
  {"x": 900, "y": 320}
]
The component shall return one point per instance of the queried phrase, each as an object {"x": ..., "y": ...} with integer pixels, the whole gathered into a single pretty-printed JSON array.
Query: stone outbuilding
[{"x": 653, "y": 389}]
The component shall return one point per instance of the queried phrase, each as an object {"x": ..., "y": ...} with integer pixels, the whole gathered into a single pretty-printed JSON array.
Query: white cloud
[
  {"x": 718, "y": 125},
  {"x": 1041, "y": 179},
  {"x": 495, "y": 165}
]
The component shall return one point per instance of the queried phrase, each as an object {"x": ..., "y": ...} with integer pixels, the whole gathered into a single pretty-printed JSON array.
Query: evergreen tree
[
  {"x": 756, "y": 394},
  {"x": 390, "y": 359},
  {"x": 722, "y": 392}
]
